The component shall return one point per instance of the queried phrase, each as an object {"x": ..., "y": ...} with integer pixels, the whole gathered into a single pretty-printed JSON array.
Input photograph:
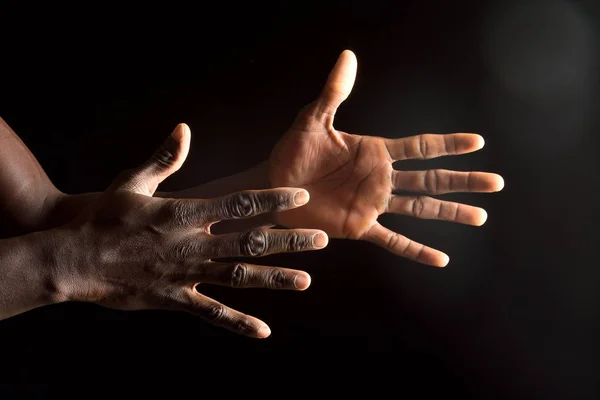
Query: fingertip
[
  {"x": 302, "y": 281},
  {"x": 348, "y": 54},
  {"x": 444, "y": 260},
  {"x": 180, "y": 132},
  {"x": 320, "y": 240},
  {"x": 499, "y": 183},
  {"x": 301, "y": 197},
  {"x": 482, "y": 217},
  {"x": 263, "y": 332},
  {"x": 480, "y": 142}
]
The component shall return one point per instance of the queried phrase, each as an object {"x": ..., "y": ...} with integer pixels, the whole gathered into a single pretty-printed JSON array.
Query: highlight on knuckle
[
  {"x": 254, "y": 243},
  {"x": 239, "y": 275},
  {"x": 241, "y": 205}
]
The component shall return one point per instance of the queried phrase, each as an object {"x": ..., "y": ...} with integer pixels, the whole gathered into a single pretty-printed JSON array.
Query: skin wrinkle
[
  {"x": 361, "y": 182},
  {"x": 422, "y": 149}
]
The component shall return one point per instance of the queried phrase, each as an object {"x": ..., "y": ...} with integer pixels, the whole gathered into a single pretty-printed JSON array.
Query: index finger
[
  {"x": 429, "y": 145},
  {"x": 238, "y": 205}
]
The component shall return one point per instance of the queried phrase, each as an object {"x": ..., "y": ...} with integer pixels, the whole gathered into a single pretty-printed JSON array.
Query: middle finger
[
  {"x": 262, "y": 242},
  {"x": 441, "y": 181}
]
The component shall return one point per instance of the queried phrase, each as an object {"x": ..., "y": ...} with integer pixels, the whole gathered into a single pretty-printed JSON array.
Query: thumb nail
[
  {"x": 176, "y": 137},
  {"x": 179, "y": 131}
]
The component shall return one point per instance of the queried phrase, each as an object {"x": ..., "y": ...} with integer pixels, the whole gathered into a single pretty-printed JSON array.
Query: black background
[{"x": 92, "y": 90}]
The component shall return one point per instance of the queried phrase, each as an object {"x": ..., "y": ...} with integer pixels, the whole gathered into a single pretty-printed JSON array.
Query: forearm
[
  {"x": 28, "y": 267},
  {"x": 26, "y": 192}
]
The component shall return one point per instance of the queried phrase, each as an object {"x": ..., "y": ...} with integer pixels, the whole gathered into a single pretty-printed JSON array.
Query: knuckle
[
  {"x": 239, "y": 275},
  {"x": 254, "y": 243},
  {"x": 296, "y": 242},
  {"x": 419, "y": 252},
  {"x": 243, "y": 325},
  {"x": 280, "y": 201},
  {"x": 180, "y": 213},
  {"x": 417, "y": 207},
  {"x": 163, "y": 157},
  {"x": 275, "y": 279},
  {"x": 423, "y": 150},
  {"x": 392, "y": 241},
  {"x": 431, "y": 181},
  {"x": 404, "y": 251},
  {"x": 176, "y": 277},
  {"x": 183, "y": 250},
  {"x": 167, "y": 298},
  {"x": 440, "y": 210},
  {"x": 215, "y": 314},
  {"x": 241, "y": 205}
]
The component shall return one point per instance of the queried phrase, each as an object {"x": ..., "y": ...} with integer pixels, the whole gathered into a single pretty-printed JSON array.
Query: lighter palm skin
[{"x": 351, "y": 179}]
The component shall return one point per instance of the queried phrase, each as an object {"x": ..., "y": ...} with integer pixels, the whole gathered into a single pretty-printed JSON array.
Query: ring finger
[
  {"x": 441, "y": 181},
  {"x": 244, "y": 275},
  {"x": 262, "y": 242},
  {"x": 430, "y": 208}
]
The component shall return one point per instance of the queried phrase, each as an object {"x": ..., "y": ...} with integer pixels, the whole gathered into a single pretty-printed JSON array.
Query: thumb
[
  {"x": 165, "y": 161},
  {"x": 339, "y": 84}
]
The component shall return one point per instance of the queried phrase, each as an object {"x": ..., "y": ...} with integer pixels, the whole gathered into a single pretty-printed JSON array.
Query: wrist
[
  {"x": 50, "y": 248},
  {"x": 71, "y": 253},
  {"x": 57, "y": 254},
  {"x": 29, "y": 266}
]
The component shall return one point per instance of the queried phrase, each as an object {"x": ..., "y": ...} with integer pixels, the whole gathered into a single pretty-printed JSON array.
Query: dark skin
[
  {"x": 132, "y": 251},
  {"x": 350, "y": 178}
]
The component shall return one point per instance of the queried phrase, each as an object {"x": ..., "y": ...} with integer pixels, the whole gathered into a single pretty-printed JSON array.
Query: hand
[
  {"x": 351, "y": 179},
  {"x": 134, "y": 251}
]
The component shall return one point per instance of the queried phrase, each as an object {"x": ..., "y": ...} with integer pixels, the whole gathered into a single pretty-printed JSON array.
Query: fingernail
[
  {"x": 179, "y": 131},
  {"x": 302, "y": 281},
  {"x": 301, "y": 197},
  {"x": 445, "y": 261},
  {"x": 500, "y": 184},
  {"x": 483, "y": 216},
  {"x": 263, "y": 332},
  {"x": 320, "y": 240},
  {"x": 481, "y": 141}
]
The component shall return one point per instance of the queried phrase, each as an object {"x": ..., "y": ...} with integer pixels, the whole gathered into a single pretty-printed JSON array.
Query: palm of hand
[
  {"x": 348, "y": 178},
  {"x": 351, "y": 179}
]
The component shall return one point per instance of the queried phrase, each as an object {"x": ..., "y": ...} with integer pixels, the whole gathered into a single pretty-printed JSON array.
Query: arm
[
  {"x": 30, "y": 202},
  {"x": 26, "y": 193},
  {"x": 132, "y": 251},
  {"x": 27, "y": 266}
]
